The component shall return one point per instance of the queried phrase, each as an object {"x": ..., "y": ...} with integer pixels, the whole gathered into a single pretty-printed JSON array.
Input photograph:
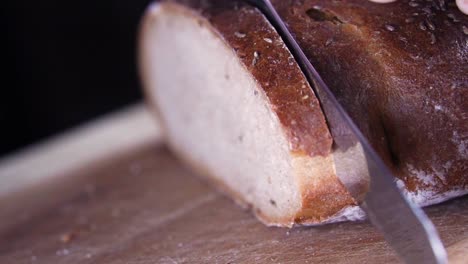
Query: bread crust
[
  {"x": 262, "y": 52},
  {"x": 401, "y": 71},
  {"x": 411, "y": 104}
]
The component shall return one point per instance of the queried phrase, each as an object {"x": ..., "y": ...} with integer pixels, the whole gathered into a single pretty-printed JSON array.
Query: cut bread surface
[
  {"x": 216, "y": 114},
  {"x": 237, "y": 107},
  {"x": 221, "y": 120}
]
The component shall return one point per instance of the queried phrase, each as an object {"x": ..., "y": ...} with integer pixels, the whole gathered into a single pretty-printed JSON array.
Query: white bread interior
[
  {"x": 201, "y": 87},
  {"x": 218, "y": 119}
]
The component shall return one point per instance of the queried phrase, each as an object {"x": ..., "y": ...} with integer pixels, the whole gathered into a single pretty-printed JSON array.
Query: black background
[{"x": 65, "y": 62}]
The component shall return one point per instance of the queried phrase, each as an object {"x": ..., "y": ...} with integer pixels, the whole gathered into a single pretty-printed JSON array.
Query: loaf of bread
[{"x": 236, "y": 107}]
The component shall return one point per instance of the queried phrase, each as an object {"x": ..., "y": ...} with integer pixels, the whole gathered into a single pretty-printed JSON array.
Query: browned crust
[
  {"x": 321, "y": 200},
  {"x": 401, "y": 71},
  {"x": 344, "y": 40},
  {"x": 248, "y": 32},
  {"x": 323, "y": 195},
  {"x": 202, "y": 170},
  {"x": 263, "y": 53}
]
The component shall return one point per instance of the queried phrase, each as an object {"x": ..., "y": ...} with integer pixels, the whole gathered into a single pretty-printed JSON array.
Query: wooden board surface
[{"x": 145, "y": 207}]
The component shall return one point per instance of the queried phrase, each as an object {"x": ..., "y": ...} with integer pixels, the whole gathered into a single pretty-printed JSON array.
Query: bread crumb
[
  {"x": 409, "y": 20},
  {"x": 256, "y": 56},
  {"x": 390, "y": 28},
  {"x": 453, "y": 17},
  {"x": 433, "y": 39},
  {"x": 268, "y": 40},
  {"x": 422, "y": 26},
  {"x": 430, "y": 25},
  {"x": 465, "y": 30},
  {"x": 239, "y": 34}
]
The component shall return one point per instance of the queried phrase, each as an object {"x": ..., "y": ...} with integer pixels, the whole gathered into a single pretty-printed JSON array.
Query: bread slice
[{"x": 236, "y": 106}]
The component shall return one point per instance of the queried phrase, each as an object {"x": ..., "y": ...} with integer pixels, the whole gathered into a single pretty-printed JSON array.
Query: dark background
[{"x": 65, "y": 62}]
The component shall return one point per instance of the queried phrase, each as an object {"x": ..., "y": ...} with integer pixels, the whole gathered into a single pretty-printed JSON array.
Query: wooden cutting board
[{"x": 139, "y": 204}]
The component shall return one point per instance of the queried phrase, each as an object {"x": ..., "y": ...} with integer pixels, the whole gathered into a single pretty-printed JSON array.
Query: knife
[{"x": 404, "y": 225}]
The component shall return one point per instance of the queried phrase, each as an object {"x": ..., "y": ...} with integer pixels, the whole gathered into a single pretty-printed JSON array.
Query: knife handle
[{"x": 458, "y": 252}]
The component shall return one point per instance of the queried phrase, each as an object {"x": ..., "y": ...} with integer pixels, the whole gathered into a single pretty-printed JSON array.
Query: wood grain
[
  {"x": 458, "y": 252},
  {"x": 145, "y": 207}
]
